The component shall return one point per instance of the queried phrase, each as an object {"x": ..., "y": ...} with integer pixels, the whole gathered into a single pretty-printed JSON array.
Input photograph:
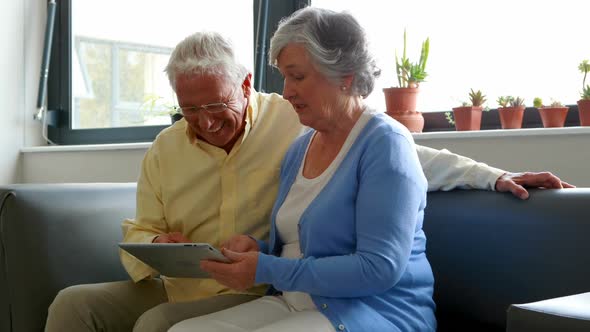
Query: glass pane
[
  {"x": 502, "y": 47},
  {"x": 122, "y": 47}
]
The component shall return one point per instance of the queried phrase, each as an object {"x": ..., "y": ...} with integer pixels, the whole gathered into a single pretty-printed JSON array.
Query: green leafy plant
[
  {"x": 538, "y": 103},
  {"x": 155, "y": 105},
  {"x": 517, "y": 102},
  {"x": 409, "y": 75},
  {"x": 503, "y": 101},
  {"x": 449, "y": 117},
  {"x": 584, "y": 68},
  {"x": 510, "y": 101},
  {"x": 477, "y": 98}
]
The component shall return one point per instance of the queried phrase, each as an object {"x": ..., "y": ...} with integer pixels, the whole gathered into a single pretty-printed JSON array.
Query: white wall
[
  {"x": 22, "y": 24},
  {"x": 563, "y": 151},
  {"x": 35, "y": 12},
  {"x": 105, "y": 163},
  {"x": 12, "y": 84}
]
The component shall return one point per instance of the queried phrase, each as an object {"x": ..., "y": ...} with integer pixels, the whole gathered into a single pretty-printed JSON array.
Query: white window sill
[
  {"x": 82, "y": 148},
  {"x": 529, "y": 132}
]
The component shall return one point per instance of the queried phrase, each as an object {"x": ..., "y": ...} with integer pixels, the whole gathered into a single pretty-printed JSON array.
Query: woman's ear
[
  {"x": 247, "y": 85},
  {"x": 347, "y": 82}
]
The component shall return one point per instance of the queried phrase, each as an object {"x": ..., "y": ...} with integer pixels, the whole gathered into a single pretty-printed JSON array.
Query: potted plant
[
  {"x": 552, "y": 115},
  {"x": 584, "y": 103},
  {"x": 511, "y": 111},
  {"x": 468, "y": 116},
  {"x": 400, "y": 102},
  {"x": 154, "y": 105}
]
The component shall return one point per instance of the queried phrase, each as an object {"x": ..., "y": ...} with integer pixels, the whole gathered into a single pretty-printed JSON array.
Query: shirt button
[
  {"x": 324, "y": 306},
  {"x": 341, "y": 327}
]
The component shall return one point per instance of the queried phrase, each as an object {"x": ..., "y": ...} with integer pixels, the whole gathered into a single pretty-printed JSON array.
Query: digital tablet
[{"x": 179, "y": 260}]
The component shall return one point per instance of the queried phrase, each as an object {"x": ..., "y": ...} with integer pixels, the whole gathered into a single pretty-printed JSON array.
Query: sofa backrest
[
  {"x": 489, "y": 250},
  {"x": 54, "y": 236}
]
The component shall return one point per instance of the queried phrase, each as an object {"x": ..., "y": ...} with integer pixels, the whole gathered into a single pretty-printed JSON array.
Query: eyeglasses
[{"x": 210, "y": 108}]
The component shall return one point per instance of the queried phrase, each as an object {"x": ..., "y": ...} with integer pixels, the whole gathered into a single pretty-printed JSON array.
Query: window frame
[
  {"x": 59, "y": 90},
  {"x": 59, "y": 86}
]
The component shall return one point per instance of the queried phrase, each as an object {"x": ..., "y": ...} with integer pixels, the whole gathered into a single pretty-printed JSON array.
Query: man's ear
[{"x": 247, "y": 85}]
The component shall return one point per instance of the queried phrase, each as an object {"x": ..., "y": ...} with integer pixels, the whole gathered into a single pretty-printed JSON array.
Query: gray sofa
[{"x": 487, "y": 250}]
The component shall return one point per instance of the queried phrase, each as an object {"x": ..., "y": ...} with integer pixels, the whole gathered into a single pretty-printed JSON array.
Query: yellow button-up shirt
[{"x": 187, "y": 185}]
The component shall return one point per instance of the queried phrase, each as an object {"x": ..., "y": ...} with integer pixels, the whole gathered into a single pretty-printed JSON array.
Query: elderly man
[{"x": 213, "y": 175}]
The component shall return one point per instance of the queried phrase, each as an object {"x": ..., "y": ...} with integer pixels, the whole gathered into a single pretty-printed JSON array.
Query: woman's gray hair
[
  {"x": 205, "y": 53},
  {"x": 336, "y": 43}
]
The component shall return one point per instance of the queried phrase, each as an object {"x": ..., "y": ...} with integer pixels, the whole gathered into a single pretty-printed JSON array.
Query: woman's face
[{"x": 313, "y": 97}]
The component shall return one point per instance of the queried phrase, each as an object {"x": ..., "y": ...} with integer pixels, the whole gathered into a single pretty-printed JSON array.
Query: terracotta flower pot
[
  {"x": 511, "y": 117},
  {"x": 553, "y": 116},
  {"x": 584, "y": 111},
  {"x": 414, "y": 121},
  {"x": 467, "y": 117},
  {"x": 400, "y": 104}
]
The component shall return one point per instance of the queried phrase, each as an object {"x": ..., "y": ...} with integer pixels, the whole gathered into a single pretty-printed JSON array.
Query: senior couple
[{"x": 342, "y": 186}]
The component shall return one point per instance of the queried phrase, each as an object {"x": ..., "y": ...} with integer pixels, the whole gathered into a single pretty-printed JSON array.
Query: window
[
  {"x": 119, "y": 84},
  {"x": 107, "y": 77},
  {"x": 106, "y": 81},
  {"x": 501, "y": 47},
  {"x": 122, "y": 47}
]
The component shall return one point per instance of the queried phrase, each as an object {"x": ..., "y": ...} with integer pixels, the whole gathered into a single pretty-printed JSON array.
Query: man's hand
[
  {"x": 516, "y": 183},
  {"x": 174, "y": 237},
  {"x": 240, "y": 274},
  {"x": 241, "y": 243}
]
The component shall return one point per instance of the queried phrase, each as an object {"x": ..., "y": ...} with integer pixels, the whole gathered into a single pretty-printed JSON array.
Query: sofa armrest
[
  {"x": 489, "y": 250},
  {"x": 568, "y": 313},
  {"x": 53, "y": 236}
]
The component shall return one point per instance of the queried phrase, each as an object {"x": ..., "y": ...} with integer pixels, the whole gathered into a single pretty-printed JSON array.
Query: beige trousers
[
  {"x": 266, "y": 314},
  {"x": 127, "y": 306}
]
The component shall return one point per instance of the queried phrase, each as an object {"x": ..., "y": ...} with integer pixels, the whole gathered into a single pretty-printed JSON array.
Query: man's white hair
[{"x": 205, "y": 53}]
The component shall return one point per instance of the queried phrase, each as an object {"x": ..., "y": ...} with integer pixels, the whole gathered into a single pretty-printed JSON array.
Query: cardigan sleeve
[{"x": 390, "y": 199}]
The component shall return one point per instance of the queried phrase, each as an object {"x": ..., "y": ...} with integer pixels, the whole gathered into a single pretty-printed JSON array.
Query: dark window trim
[
  {"x": 271, "y": 80},
  {"x": 436, "y": 121},
  {"x": 59, "y": 98},
  {"x": 59, "y": 91}
]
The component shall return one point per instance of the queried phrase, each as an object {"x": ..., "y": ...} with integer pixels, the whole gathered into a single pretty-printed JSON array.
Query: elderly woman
[{"x": 346, "y": 246}]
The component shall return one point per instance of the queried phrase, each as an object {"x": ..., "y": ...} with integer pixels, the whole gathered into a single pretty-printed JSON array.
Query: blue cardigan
[{"x": 364, "y": 263}]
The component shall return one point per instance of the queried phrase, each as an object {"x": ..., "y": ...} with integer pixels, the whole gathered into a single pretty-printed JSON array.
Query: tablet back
[{"x": 179, "y": 260}]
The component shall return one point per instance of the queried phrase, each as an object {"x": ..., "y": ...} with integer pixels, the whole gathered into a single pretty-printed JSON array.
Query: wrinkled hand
[
  {"x": 241, "y": 243},
  {"x": 174, "y": 237},
  {"x": 516, "y": 183},
  {"x": 240, "y": 274}
]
